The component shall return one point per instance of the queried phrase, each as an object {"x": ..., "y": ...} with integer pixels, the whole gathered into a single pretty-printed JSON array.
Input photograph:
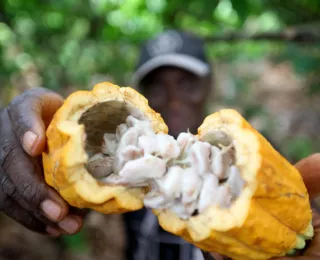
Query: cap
[{"x": 172, "y": 48}]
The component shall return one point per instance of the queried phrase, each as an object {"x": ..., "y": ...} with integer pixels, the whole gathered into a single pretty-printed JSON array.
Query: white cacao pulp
[{"x": 185, "y": 175}]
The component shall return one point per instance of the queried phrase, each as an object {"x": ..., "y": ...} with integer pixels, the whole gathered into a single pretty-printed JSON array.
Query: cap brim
[{"x": 182, "y": 61}]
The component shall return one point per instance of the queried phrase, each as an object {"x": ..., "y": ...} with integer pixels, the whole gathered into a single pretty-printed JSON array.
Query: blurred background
[{"x": 265, "y": 56}]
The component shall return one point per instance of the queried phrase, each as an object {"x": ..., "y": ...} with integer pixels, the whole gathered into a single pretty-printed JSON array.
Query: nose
[
  {"x": 174, "y": 99},
  {"x": 174, "y": 104}
]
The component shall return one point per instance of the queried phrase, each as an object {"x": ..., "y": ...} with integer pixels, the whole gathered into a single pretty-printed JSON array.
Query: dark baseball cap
[{"x": 172, "y": 48}]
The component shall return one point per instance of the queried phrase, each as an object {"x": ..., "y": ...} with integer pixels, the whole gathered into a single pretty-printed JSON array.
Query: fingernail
[
  {"x": 51, "y": 209},
  {"x": 69, "y": 225},
  {"x": 53, "y": 232},
  {"x": 29, "y": 139}
]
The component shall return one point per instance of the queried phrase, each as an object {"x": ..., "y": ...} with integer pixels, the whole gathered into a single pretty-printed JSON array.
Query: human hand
[
  {"x": 24, "y": 195},
  {"x": 214, "y": 256}
]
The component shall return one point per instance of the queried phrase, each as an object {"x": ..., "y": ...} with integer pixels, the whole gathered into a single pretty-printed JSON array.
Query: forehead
[{"x": 169, "y": 73}]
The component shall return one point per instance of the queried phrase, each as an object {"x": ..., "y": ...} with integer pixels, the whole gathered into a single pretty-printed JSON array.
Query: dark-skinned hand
[
  {"x": 310, "y": 171},
  {"x": 24, "y": 195}
]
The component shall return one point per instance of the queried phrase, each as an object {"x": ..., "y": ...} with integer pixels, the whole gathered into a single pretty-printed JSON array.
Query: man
[
  {"x": 175, "y": 76},
  {"x": 25, "y": 197}
]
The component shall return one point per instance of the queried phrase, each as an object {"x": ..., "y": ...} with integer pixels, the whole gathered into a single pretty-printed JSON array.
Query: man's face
[{"x": 179, "y": 96}]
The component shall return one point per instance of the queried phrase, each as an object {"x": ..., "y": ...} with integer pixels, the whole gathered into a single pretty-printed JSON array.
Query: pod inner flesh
[{"x": 185, "y": 175}]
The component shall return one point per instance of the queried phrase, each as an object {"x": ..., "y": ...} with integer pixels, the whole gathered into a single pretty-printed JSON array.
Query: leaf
[
  {"x": 299, "y": 147},
  {"x": 242, "y": 8}
]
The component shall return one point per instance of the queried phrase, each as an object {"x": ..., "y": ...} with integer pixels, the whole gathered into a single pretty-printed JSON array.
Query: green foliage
[
  {"x": 295, "y": 11},
  {"x": 304, "y": 59},
  {"x": 300, "y": 147},
  {"x": 71, "y": 41}
]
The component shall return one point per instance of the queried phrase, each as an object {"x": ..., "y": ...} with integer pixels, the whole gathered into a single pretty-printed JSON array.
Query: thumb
[
  {"x": 309, "y": 169},
  {"x": 29, "y": 114}
]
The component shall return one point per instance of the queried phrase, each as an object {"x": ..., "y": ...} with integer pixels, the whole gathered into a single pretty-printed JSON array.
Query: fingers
[
  {"x": 34, "y": 195},
  {"x": 16, "y": 212},
  {"x": 9, "y": 191},
  {"x": 29, "y": 114},
  {"x": 13, "y": 209},
  {"x": 27, "y": 198},
  {"x": 208, "y": 256},
  {"x": 71, "y": 224},
  {"x": 79, "y": 212},
  {"x": 70, "y": 220},
  {"x": 310, "y": 171},
  {"x": 22, "y": 181},
  {"x": 218, "y": 257},
  {"x": 28, "y": 184},
  {"x": 213, "y": 256},
  {"x": 17, "y": 207}
]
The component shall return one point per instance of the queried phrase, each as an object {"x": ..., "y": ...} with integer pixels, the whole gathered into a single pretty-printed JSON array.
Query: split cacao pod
[{"x": 271, "y": 217}]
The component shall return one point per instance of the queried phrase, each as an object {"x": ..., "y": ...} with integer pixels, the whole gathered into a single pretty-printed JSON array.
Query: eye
[
  {"x": 156, "y": 93},
  {"x": 156, "y": 89},
  {"x": 192, "y": 89}
]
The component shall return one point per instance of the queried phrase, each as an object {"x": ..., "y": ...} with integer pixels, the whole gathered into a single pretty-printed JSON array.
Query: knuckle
[
  {"x": 7, "y": 187},
  {"x": 37, "y": 91},
  {"x": 33, "y": 93},
  {"x": 22, "y": 121},
  {"x": 22, "y": 110},
  {"x": 6, "y": 191},
  {"x": 3, "y": 201},
  {"x": 32, "y": 193},
  {"x": 7, "y": 153},
  {"x": 28, "y": 187},
  {"x": 14, "y": 104},
  {"x": 40, "y": 217},
  {"x": 34, "y": 224},
  {"x": 8, "y": 205},
  {"x": 17, "y": 105},
  {"x": 3, "y": 116},
  {"x": 5, "y": 124}
]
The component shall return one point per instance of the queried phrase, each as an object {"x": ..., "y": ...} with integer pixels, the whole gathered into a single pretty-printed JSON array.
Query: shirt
[{"x": 148, "y": 241}]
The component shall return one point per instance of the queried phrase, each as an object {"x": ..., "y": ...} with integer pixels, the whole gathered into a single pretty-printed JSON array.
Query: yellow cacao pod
[{"x": 270, "y": 217}]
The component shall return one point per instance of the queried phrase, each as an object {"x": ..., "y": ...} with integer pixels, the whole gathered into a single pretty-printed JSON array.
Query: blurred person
[
  {"x": 25, "y": 197},
  {"x": 174, "y": 74}
]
